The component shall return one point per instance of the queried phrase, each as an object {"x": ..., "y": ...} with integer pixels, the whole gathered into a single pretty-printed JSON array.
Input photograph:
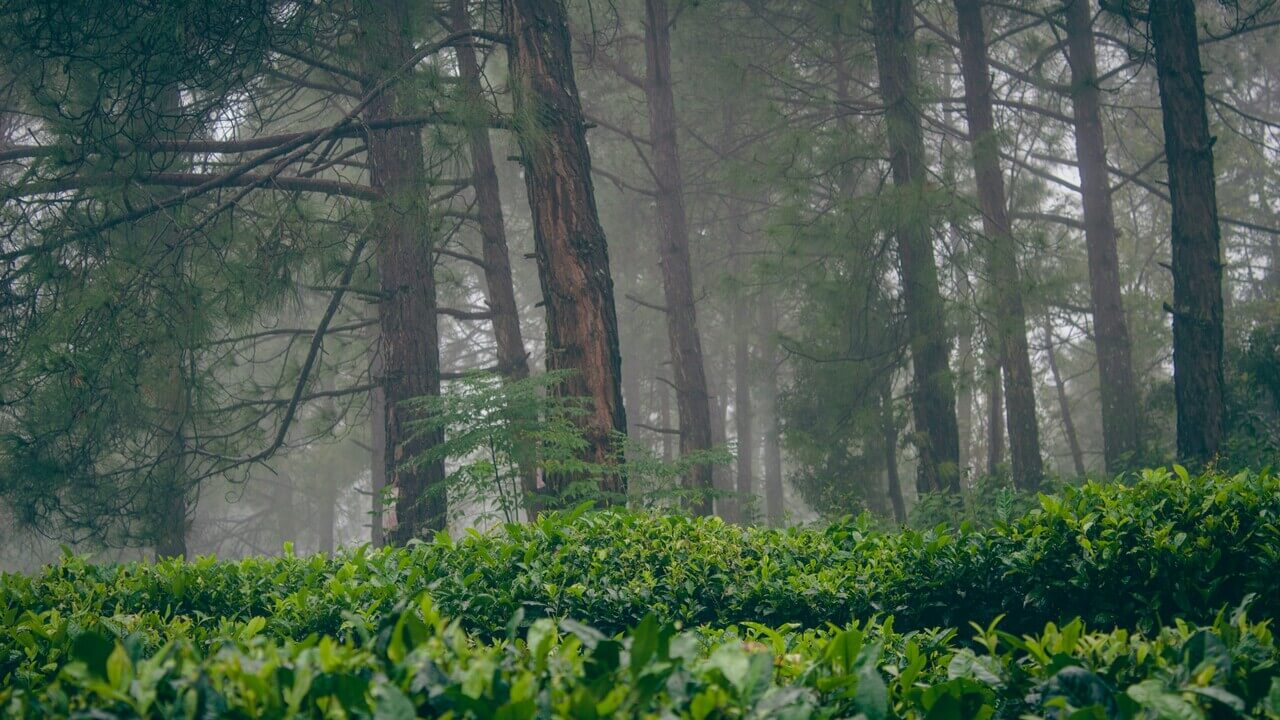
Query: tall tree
[
  {"x": 1197, "y": 256},
  {"x": 1121, "y": 429},
  {"x": 407, "y": 307},
  {"x": 770, "y": 412},
  {"x": 572, "y": 254},
  {"x": 933, "y": 397},
  {"x": 1001, "y": 250},
  {"x": 692, "y": 398}
]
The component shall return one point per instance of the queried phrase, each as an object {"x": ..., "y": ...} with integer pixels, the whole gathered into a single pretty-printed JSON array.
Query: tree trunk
[
  {"x": 889, "y": 430},
  {"x": 964, "y": 401},
  {"x": 995, "y": 413},
  {"x": 933, "y": 398},
  {"x": 664, "y": 414},
  {"x": 772, "y": 430},
  {"x": 742, "y": 417},
  {"x": 1064, "y": 405},
  {"x": 692, "y": 396},
  {"x": 1121, "y": 435},
  {"x": 377, "y": 460},
  {"x": 513, "y": 361},
  {"x": 573, "y": 257},
  {"x": 1001, "y": 251},
  {"x": 407, "y": 310},
  {"x": 1197, "y": 267}
]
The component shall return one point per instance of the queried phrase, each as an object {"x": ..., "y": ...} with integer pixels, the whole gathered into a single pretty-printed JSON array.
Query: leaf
[
  {"x": 393, "y": 704},
  {"x": 965, "y": 664},
  {"x": 1152, "y": 695},
  {"x": 93, "y": 648}
]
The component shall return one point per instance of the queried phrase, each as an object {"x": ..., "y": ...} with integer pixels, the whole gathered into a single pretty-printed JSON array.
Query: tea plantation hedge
[{"x": 1158, "y": 567}]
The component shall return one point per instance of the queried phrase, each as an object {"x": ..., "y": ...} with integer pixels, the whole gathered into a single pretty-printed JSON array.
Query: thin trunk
[
  {"x": 726, "y": 503},
  {"x": 1197, "y": 266},
  {"x": 889, "y": 430},
  {"x": 377, "y": 460},
  {"x": 1064, "y": 405},
  {"x": 1001, "y": 250},
  {"x": 664, "y": 415},
  {"x": 742, "y": 418},
  {"x": 933, "y": 398},
  {"x": 692, "y": 396},
  {"x": 995, "y": 414},
  {"x": 513, "y": 361},
  {"x": 573, "y": 257},
  {"x": 964, "y": 401},
  {"x": 407, "y": 311},
  {"x": 1121, "y": 436},
  {"x": 772, "y": 430}
]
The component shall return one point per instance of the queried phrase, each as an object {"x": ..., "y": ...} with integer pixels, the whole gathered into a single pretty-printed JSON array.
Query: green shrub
[{"x": 415, "y": 663}]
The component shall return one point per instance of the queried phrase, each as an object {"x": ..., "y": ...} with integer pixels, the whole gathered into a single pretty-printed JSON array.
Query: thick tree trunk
[
  {"x": 889, "y": 430},
  {"x": 1001, "y": 250},
  {"x": 1064, "y": 404},
  {"x": 1197, "y": 266},
  {"x": 407, "y": 310},
  {"x": 573, "y": 257},
  {"x": 933, "y": 398},
  {"x": 772, "y": 426},
  {"x": 692, "y": 397},
  {"x": 1121, "y": 433}
]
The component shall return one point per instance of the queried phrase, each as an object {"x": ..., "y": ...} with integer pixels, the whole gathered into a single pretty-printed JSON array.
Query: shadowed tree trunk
[
  {"x": 688, "y": 367},
  {"x": 573, "y": 257},
  {"x": 933, "y": 398},
  {"x": 1064, "y": 405},
  {"x": 407, "y": 309},
  {"x": 742, "y": 410},
  {"x": 964, "y": 400},
  {"x": 1121, "y": 436},
  {"x": 1001, "y": 251},
  {"x": 1197, "y": 266}
]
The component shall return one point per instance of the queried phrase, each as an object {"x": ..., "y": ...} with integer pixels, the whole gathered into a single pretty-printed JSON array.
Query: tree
[
  {"x": 1001, "y": 250},
  {"x": 1121, "y": 427},
  {"x": 933, "y": 397},
  {"x": 571, "y": 250}
]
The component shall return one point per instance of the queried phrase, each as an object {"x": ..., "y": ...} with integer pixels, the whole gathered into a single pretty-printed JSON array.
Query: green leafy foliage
[{"x": 783, "y": 621}]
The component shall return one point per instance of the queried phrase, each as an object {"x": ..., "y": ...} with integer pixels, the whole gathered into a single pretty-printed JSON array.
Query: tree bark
[
  {"x": 407, "y": 310},
  {"x": 964, "y": 401},
  {"x": 1197, "y": 266},
  {"x": 933, "y": 398},
  {"x": 378, "y": 458},
  {"x": 995, "y": 413},
  {"x": 889, "y": 430},
  {"x": 1064, "y": 405},
  {"x": 1121, "y": 433},
  {"x": 692, "y": 397},
  {"x": 1001, "y": 250},
  {"x": 572, "y": 254},
  {"x": 772, "y": 430},
  {"x": 513, "y": 361},
  {"x": 742, "y": 410}
]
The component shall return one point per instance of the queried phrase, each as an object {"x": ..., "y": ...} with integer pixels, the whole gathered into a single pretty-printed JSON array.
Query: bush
[{"x": 1169, "y": 549}]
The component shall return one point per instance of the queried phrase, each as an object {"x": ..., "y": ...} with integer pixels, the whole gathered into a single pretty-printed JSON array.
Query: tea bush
[{"x": 1147, "y": 564}]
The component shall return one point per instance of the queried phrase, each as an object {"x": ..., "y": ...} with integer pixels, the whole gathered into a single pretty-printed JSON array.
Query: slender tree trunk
[
  {"x": 664, "y": 414},
  {"x": 1121, "y": 435},
  {"x": 692, "y": 397},
  {"x": 407, "y": 310},
  {"x": 933, "y": 398},
  {"x": 573, "y": 257},
  {"x": 726, "y": 502},
  {"x": 772, "y": 430},
  {"x": 513, "y": 361},
  {"x": 995, "y": 413},
  {"x": 1197, "y": 266},
  {"x": 1001, "y": 250},
  {"x": 742, "y": 409},
  {"x": 1064, "y": 405},
  {"x": 889, "y": 430},
  {"x": 377, "y": 460},
  {"x": 964, "y": 401}
]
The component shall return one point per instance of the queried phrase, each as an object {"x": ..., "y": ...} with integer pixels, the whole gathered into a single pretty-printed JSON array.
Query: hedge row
[
  {"x": 1168, "y": 546},
  {"x": 414, "y": 663}
]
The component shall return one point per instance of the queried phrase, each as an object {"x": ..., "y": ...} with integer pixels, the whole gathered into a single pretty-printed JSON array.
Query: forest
[{"x": 640, "y": 358}]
